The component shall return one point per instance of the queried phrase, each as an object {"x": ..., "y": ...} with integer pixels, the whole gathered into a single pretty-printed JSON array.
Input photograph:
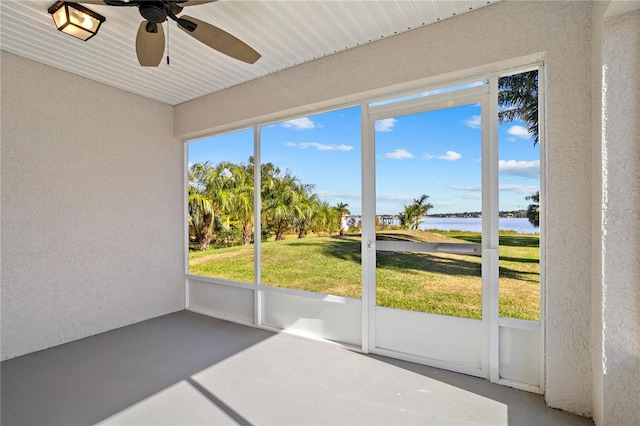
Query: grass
[{"x": 429, "y": 282}]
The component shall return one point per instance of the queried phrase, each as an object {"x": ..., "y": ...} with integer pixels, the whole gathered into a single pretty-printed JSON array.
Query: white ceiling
[{"x": 286, "y": 33}]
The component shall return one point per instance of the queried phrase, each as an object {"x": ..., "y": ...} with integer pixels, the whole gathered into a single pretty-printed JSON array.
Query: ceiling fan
[{"x": 150, "y": 39}]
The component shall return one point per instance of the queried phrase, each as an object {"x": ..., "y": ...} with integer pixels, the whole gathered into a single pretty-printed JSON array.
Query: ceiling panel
[
  {"x": 286, "y": 33},
  {"x": 460, "y": 6}
]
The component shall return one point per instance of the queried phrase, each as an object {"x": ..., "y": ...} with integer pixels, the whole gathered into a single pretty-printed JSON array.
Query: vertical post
[
  {"x": 542, "y": 224},
  {"x": 490, "y": 225},
  {"x": 368, "y": 245},
  {"x": 185, "y": 219},
  {"x": 257, "y": 227}
]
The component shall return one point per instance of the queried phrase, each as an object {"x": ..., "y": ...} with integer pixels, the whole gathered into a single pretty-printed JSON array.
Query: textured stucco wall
[
  {"x": 487, "y": 39},
  {"x": 91, "y": 208},
  {"x": 621, "y": 220}
]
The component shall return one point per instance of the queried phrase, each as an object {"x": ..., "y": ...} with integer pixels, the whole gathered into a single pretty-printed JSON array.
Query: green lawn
[{"x": 429, "y": 282}]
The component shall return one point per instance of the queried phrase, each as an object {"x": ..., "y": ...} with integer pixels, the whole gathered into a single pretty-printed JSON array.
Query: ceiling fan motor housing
[{"x": 153, "y": 11}]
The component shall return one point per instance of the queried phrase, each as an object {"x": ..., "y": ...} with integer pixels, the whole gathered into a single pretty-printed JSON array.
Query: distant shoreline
[{"x": 473, "y": 224}]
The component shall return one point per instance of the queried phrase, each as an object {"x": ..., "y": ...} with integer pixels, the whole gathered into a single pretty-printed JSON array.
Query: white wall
[
  {"x": 92, "y": 218},
  {"x": 484, "y": 40}
]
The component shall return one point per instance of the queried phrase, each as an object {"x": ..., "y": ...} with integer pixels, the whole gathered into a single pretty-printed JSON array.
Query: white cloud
[
  {"x": 319, "y": 146},
  {"x": 385, "y": 125},
  {"x": 522, "y": 189},
  {"x": 337, "y": 195},
  {"x": 442, "y": 203},
  {"x": 528, "y": 169},
  {"x": 302, "y": 123},
  {"x": 471, "y": 196},
  {"x": 519, "y": 131},
  {"x": 466, "y": 187},
  {"x": 473, "y": 122},
  {"x": 450, "y": 156},
  {"x": 393, "y": 198},
  {"x": 428, "y": 156},
  {"x": 398, "y": 154}
]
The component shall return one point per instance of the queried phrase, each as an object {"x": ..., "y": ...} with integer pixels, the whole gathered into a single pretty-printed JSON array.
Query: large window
[
  {"x": 310, "y": 186},
  {"x": 429, "y": 189},
  {"x": 311, "y": 203},
  {"x": 220, "y": 207}
]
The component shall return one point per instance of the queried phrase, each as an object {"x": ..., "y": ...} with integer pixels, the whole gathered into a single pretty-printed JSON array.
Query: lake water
[{"x": 520, "y": 225}]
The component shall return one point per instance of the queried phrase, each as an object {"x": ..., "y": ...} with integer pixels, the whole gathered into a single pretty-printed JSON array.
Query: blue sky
[{"x": 435, "y": 153}]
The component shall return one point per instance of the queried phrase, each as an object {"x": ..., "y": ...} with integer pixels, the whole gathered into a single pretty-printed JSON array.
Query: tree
[
  {"x": 533, "y": 211},
  {"x": 326, "y": 219},
  {"x": 220, "y": 203},
  {"x": 405, "y": 217},
  {"x": 279, "y": 196},
  {"x": 221, "y": 208},
  {"x": 237, "y": 191},
  {"x": 421, "y": 207},
  {"x": 414, "y": 212},
  {"x": 304, "y": 208},
  {"x": 342, "y": 208},
  {"x": 518, "y": 99},
  {"x": 200, "y": 207}
]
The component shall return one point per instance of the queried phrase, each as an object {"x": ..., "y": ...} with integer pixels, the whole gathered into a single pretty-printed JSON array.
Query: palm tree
[
  {"x": 239, "y": 205},
  {"x": 342, "y": 208},
  {"x": 200, "y": 207},
  {"x": 518, "y": 99},
  {"x": 533, "y": 211},
  {"x": 279, "y": 196},
  {"x": 304, "y": 208},
  {"x": 405, "y": 217},
  {"x": 421, "y": 208},
  {"x": 414, "y": 212},
  {"x": 220, "y": 196},
  {"x": 325, "y": 219}
]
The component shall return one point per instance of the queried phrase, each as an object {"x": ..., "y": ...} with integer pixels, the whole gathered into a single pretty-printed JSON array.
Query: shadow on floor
[
  {"x": 88, "y": 380},
  {"x": 186, "y": 368}
]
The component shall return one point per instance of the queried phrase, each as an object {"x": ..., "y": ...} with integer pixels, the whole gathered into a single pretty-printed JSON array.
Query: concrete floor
[{"x": 189, "y": 369}]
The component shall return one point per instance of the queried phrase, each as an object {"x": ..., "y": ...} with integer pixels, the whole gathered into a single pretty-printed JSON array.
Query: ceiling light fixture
[{"x": 76, "y": 20}]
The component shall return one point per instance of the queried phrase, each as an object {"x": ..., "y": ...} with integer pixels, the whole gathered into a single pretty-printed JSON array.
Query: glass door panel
[
  {"x": 429, "y": 212},
  {"x": 429, "y": 206}
]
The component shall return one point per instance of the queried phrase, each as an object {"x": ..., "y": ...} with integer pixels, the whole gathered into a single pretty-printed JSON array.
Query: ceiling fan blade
[
  {"x": 219, "y": 40},
  {"x": 150, "y": 44},
  {"x": 195, "y": 2}
]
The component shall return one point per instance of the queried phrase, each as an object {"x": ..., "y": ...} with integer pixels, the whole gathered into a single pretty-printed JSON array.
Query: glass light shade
[{"x": 76, "y": 20}]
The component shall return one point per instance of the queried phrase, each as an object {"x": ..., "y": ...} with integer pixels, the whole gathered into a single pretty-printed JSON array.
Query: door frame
[{"x": 486, "y": 96}]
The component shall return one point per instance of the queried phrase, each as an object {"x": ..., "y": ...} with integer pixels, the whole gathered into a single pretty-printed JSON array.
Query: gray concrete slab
[{"x": 188, "y": 369}]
